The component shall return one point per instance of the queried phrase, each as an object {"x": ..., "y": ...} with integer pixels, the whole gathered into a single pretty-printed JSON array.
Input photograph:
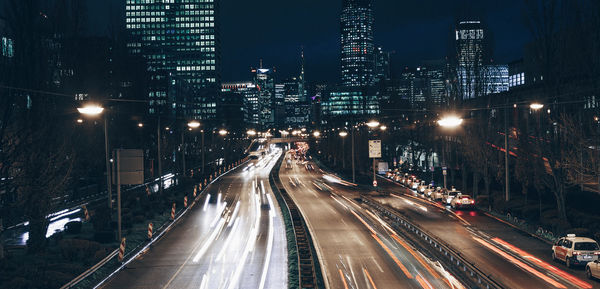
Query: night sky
[{"x": 275, "y": 31}]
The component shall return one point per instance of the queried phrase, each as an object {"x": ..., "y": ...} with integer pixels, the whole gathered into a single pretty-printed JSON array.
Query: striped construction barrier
[
  {"x": 86, "y": 213},
  {"x": 205, "y": 181},
  {"x": 173, "y": 212},
  {"x": 199, "y": 187},
  {"x": 122, "y": 250},
  {"x": 150, "y": 230},
  {"x": 195, "y": 190},
  {"x": 147, "y": 190},
  {"x": 210, "y": 178},
  {"x": 185, "y": 202}
]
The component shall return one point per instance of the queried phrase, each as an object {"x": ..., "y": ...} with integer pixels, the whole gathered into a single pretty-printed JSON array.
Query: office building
[
  {"x": 343, "y": 101},
  {"x": 382, "y": 65},
  {"x": 357, "y": 49},
  {"x": 471, "y": 53},
  {"x": 249, "y": 93},
  {"x": 180, "y": 42}
]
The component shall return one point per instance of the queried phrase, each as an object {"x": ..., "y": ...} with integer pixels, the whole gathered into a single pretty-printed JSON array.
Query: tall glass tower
[
  {"x": 180, "y": 41},
  {"x": 357, "y": 57}
]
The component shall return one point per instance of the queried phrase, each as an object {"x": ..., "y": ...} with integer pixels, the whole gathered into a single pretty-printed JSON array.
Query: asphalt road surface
[
  {"x": 355, "y": 248},
  {"x": 233, "y": 237}
]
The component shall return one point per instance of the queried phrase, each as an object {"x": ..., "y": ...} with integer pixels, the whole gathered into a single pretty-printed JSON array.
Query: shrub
[
  {"x": 104, "y": 236},
  {"x": 76, "y": 249},
  {"x": 73, "y": 227}
]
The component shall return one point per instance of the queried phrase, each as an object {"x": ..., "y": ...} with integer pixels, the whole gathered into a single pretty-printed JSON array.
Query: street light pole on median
[{"x": 108, "y": 178}]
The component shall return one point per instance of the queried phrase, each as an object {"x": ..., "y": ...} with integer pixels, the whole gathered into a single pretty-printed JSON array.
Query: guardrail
[
  {"x": 467, "y": 269},
  {"x": 140, "y": 248},
  {"x": 307, "y": 263},
  {"x": 91, "y": 270}
]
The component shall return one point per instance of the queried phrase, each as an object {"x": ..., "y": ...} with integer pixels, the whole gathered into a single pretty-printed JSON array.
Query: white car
[
  {"x": 575, "y": 250},
  {"x": 592, "y": 269},
  {"x": 449, "y": 195}
]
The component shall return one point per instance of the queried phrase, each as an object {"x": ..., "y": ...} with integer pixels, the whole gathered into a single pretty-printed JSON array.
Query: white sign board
[
  {"x": 375, "y": 149},
  {"x": 131, "y": 164}
]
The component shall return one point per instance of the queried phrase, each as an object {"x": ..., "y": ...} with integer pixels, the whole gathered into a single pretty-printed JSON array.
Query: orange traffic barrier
[
  {"x": 150, "y": 230},
  {"x": 86, "y": 213},
  {"x": 173, "y": 212},
  {"x": 122, "y": 250},
  {"x": 195, "y": 190},
  {"x": 185, "y": 202}
]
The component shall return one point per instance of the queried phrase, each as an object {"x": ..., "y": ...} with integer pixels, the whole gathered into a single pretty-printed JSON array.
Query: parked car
[
  {"x": 414, "y": 185},
  {"x": 462, "y": 202},
  {"x": 438, "y": 194},
  {"x": 450, "y": 194},
  {"x": 575, "y": 250},
  {"x": 592, "y": 269}
]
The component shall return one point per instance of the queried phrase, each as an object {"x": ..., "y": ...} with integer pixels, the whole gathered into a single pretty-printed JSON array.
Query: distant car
[
  {"x": 429, "y": 191},
  {"x": 592, "y": 269},
  {"x": 575, "y": 250},
  {"x": 414, "y": 185},
  {"x": 422, "y": 187},
  {"x": 462, "y": 202},
  {"x": 451, "y": 194},
  {"x": 438, "y": 194}
]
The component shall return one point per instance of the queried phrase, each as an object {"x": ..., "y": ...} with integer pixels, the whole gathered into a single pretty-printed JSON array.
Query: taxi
[{"x": 575, "y": 250}]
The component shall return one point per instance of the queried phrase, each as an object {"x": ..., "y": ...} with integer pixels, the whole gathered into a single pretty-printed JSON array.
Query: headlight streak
[
  {"x": 232, "y": 233},
  {"x": 269, "y": 244},
  {"x": 233, "y": 283},
  {"x": 209, "y": 241},
  {"x": 218, "y": 215},
  {"x": 234, "y": 214},
  {"x": 206, "y": 203}
]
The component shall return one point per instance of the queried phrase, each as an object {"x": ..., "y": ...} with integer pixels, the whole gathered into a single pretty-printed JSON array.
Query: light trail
[
  {"x": 209, "y": 241},
  {"x": 232, "y": 233},
  {"x": 387, "y": 250},
  {"x": 343, "y": 279},
  {"x": 263, "y": 278},
  {"x": 206, "y": 203},
  {"x": 370, "y": 279},
  {"x": 574, "y": 280},
  {"x": 520, "y": 264}
]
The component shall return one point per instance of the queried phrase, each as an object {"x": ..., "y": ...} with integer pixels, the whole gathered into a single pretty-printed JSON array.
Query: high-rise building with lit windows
[
  {"x": 357, "y": 55},
  {"x": 180, "y": 41}
]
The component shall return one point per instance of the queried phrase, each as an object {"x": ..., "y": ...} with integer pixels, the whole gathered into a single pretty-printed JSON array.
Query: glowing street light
[
  {"x": 343, "y": 133},
  {"x": 383, "y": 127},
  {"x": 222, "y": 132},
  {"x": 450, "y": 121},
  {"x": 193, "y": 124},
  {"x": 91, "y": 109},
  {"x": 317, "y": 133},
  {"x": 373, "y": 123},
  {"x": 251, "y": 132},
  {"x": 536, "y": 106},
  {"x": 79, "y": 120},
  {"x": 140, "y": 124}
]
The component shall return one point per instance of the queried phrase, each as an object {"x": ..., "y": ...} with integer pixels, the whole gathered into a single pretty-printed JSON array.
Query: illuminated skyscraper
[
  {"x": 180, "y": 41},
  {"x": 357, "y": 55}
]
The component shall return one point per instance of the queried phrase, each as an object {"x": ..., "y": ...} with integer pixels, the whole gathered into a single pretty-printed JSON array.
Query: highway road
[
  {"x": 234, "y": 237},
  {"x": 355, "y": 248},
  {"x": 508, "y": 255}
]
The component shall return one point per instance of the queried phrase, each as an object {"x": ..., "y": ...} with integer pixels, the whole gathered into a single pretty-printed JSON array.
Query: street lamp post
[
  {"x": 93, "y": 110},
  {"x": 343, "y": 134},
  {"x": 353, "y": 168},
  {"x": 450, "y": 122}
]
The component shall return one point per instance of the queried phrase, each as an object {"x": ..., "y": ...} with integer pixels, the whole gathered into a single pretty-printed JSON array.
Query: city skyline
[{"x": 395, "y": 23}]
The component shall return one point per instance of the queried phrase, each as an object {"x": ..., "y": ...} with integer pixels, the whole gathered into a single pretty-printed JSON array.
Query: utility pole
[
  {"x": 108, "y": 180},
  {"x": 353, "y": 171},
  {"x": 159, "y": 138},
  {"x": 183, "y": 151},
  {"x": 506, "y": 149}
]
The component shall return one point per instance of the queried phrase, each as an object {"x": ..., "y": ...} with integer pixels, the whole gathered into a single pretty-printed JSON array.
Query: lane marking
[
  {"x": 420, "y": 260},
  {"x": 370, "y": 279},
  {"x": 377, "y": 264}
]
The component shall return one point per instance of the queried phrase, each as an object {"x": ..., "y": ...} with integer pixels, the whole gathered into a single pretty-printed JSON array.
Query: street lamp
[
  {"x": 317, "y": 133},
  {"x": 450, "y": 122},
  {"x": 193, "y": 124},
  {"x": 140, "y": 124},
  {"x": 222, "y": 132},
  {"x": 373, "y": 124},
  {"x": 343, "y": 134},
  {"x": 94, "y": 110},
  {"x": 536, "y": 106},
  {"x": 251, "y": 132},
  {"x": 383, "y": 127},
  {"x": 91, "y": 109}
]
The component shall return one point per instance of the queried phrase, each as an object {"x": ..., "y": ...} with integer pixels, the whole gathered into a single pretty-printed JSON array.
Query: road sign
[
  {"x": 374, "y": 183},
  {"x": 131, "y": 166},
  {"x": 444, "y": 170},
  {"x": 375, "y": 149}
]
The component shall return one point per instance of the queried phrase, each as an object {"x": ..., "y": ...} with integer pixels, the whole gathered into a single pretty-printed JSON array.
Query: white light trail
[
  {"x": 269, "y": 244},
  {"x": 209, "y": 241},
  {"x": 206, "y": 203}
]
